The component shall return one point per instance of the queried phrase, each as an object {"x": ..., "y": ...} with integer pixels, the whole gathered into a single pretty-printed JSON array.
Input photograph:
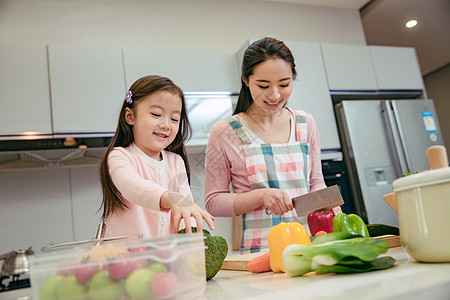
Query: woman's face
[
  {"x": 270, "y": 85},
  {"x": 155, "y": 121}
]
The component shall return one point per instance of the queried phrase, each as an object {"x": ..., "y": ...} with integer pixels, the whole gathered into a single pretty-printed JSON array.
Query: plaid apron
[{"x": 282, "y": 166}]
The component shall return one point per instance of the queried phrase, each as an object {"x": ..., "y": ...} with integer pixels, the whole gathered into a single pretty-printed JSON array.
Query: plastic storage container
[{"x": 163, "y": 268}]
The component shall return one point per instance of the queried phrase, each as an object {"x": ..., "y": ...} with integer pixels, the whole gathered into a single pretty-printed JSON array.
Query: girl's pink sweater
[{"x": 142, "y": 181}]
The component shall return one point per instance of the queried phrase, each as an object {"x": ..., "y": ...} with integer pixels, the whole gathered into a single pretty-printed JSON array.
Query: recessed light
[{"x": 411, "y": 23}]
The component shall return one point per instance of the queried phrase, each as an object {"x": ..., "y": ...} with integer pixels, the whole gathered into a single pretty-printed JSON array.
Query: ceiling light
[{"x": 411, "y": 23}]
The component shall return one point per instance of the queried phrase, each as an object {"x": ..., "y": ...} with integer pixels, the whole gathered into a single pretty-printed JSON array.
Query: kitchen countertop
[{"x": 408, "y": 279}]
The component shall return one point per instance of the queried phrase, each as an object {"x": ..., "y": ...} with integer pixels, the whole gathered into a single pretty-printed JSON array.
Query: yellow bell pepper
[{"x": 281, "y": 236}]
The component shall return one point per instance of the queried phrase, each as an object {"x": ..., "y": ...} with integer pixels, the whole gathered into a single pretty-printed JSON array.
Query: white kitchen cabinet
[
  {"x": 348, "y": 67},
  {"x": 191, "y": 71},
  {"x": 87, "y": 88},
  {"x": 310, "y": 92},
  {"x": 370, "y": 68},
  {"x": 24, "y": 87},
  {"x": 396, "y": 68},
  {"x": 240, "y": 56}
]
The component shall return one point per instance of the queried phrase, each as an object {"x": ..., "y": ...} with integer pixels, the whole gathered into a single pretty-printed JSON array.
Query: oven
[{"x": 335, "y": 173}]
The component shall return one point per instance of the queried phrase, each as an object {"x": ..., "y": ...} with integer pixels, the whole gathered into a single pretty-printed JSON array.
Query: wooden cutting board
[
  {"x": 393, "y": 240},
  {"x": 239, "y": 262}
]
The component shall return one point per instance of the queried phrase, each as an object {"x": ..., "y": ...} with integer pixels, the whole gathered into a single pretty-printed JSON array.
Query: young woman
[{"x": 267, "y": 151}]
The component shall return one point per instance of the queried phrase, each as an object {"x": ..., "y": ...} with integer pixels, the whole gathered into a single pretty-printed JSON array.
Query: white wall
[
  {"x": 36, "y": 206},
  {"x": 194, "y": 25}
]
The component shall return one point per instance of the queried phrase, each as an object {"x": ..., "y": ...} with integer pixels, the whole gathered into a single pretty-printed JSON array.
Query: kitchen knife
[{"x": 324, "y": 199}]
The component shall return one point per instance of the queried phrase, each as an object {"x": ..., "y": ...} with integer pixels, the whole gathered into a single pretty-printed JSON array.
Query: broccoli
[
  {"x": 409, "y": 173},
  {"x": 215, "y": 253}
]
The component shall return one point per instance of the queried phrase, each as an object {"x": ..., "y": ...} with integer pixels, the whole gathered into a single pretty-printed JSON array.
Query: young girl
[{"x": 144, "y": 172}]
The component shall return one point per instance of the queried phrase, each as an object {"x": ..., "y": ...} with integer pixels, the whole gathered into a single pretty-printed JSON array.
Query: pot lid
[{"x": 432, "y": 177}]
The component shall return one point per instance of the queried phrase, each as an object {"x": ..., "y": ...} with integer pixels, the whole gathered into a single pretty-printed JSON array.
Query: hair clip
[{"x": 128, "y": 98}]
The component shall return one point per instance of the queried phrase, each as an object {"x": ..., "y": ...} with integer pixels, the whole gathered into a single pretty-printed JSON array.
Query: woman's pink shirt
[{"x": 225, "y": 164}]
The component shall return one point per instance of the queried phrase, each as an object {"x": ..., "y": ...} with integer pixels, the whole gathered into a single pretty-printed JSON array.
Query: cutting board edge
[
  {"x": 239, "y": 262},
  {"x": 393, "y": 240}
]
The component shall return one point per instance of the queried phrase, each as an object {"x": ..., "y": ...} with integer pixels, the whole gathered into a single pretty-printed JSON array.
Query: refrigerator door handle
[
  {"x": 408, "y": 163},
  {"x": 393, "y": 133}
]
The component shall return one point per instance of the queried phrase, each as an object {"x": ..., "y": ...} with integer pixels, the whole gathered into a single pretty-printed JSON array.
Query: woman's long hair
[
  {"x": 123, "y": 137},
  {"x": 256, "y": 53}
]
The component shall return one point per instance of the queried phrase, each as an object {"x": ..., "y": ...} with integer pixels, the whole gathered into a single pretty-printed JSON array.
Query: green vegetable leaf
[
  {"x": 350, "y": 255},
  {"x": 352, "y": 261},
  {"x": 297, "y": 265},
  {"x": 378, "y": 264},
  {"x": 366, "y": 249},
  {"x": 333, "y": 236}
]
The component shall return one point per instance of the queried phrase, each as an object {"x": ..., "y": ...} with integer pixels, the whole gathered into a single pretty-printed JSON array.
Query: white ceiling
[{"x": 384, "y": 24}]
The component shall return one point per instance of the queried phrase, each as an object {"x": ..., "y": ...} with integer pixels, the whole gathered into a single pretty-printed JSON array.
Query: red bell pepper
[{"x": 320, "y": 220}]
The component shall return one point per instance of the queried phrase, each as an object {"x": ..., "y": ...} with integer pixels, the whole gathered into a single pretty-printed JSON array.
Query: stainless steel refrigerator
[{"x": 381, "y": 140}]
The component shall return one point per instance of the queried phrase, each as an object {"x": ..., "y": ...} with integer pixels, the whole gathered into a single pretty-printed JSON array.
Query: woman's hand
[
  {"x": 278, "y": 201},
  {"x": 183, "y": 208},
  {"x": 336, "y": 210}
]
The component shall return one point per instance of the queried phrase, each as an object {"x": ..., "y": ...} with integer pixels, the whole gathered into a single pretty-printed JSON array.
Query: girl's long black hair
[
  {"x": 256, "y": 53},
  {"x": 123, "y": 137}
]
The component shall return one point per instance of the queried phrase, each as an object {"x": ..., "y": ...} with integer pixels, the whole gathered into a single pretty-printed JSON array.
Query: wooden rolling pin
[{"x": 437, "y": 158}]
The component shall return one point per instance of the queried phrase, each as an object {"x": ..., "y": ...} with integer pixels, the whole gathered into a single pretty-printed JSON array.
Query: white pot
[{"x": 423, "y": 201}]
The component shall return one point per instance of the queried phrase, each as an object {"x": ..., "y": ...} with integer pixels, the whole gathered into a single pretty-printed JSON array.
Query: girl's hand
[
  {"x": 183, "y": 208},
  {"x": 278, "y": 201}
]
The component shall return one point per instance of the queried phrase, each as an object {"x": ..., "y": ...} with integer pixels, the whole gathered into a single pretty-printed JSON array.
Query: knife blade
[{"x": 324, "y": 199}]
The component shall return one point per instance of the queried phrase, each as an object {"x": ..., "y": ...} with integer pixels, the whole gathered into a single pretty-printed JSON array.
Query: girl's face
[
  {"x": 270, "y": 85},
  {"x": 155, "y": 122}
]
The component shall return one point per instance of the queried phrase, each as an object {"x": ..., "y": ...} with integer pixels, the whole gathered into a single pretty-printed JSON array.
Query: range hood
[{"x": 32, "y": 151}]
